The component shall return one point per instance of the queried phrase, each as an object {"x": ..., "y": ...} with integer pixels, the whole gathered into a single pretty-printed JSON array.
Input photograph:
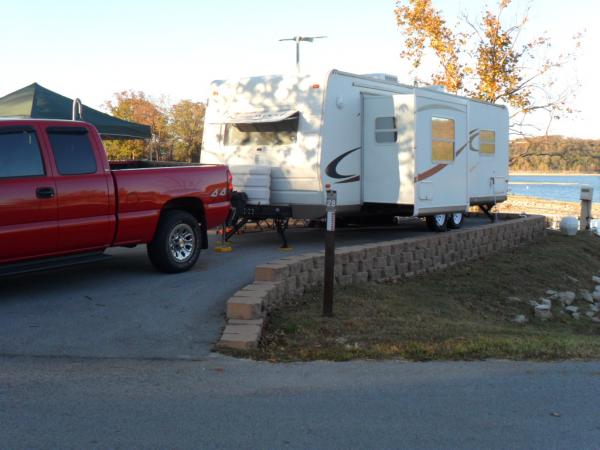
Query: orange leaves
[
  {"x": 177, "y": 130},
  {"x": 424, "y": 27},
  {"x": 487, "y": 61}
]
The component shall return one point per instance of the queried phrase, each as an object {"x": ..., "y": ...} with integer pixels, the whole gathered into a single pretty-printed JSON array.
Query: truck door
[
  {"x": 28, "y": 211},
  {"x": 388, "y": 142},
  {"x": 85, "y": 217}
]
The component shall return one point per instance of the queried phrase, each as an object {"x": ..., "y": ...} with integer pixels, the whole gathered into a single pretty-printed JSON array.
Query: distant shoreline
[{"x": 554, "y": 174}]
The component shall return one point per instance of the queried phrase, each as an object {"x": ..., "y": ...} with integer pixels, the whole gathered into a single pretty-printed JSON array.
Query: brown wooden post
[{"x": 329, "y": 253}]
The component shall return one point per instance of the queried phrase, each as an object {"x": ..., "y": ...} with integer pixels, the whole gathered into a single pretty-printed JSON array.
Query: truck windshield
[{"x": 284, "y": 132}]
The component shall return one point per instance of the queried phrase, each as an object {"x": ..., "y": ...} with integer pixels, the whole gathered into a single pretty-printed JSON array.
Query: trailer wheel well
[{"x": 193, "y": 206}]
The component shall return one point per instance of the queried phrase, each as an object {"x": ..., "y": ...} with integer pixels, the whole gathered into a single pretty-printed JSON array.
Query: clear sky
[{"x": 92, "y": 49}]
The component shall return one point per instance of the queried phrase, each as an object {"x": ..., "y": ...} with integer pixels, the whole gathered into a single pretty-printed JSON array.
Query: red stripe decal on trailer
[
  {"x": 430, "y": 172},
  {"x": 435, "y": 169}
]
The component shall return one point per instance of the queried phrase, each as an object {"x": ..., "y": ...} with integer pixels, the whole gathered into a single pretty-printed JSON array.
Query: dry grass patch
[{"x": 460, "y": 313}]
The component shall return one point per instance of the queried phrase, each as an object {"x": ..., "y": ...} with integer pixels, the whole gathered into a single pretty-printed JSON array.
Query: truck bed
[{"x": 146, "y": 164}]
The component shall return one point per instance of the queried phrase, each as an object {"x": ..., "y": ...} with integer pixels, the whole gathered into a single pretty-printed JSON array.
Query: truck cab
[{"x": 60, "y": 196}]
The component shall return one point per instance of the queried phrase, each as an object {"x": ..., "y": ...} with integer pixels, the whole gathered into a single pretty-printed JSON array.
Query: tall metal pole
[
  {"x": 298, "y": 54},
  {"x": 297, "y": 40}
]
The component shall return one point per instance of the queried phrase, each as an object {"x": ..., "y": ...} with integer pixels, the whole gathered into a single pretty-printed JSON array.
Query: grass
[{"x": 461, "y": 313}]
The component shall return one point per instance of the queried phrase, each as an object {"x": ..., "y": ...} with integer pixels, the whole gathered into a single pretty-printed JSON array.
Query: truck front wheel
[{"x": 176, "y": 244}]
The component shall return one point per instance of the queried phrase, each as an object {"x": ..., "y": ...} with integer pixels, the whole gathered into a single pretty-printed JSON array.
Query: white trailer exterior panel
[
  {"x": 488, "y": 158},
  {"x": 375, "y": 141}
]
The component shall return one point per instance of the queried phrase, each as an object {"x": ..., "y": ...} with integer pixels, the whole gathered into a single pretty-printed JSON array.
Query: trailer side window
[
  {"x": 442, "y": 139},
  {"x": 386, "y": 131},
  {"x": 284, "y": 132},
  {"x": 487, "y": 142}
]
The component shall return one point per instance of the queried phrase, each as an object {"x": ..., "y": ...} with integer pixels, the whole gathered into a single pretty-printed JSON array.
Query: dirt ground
[
  {"x": 465, "y": 312},
  {"x": 551, "y": 208}
]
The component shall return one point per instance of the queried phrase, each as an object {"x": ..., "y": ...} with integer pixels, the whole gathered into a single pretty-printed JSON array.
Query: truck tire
[
  {"x": 437, "y": 223},
  {"x": 176, "y": 244},
  {"x": 455, "y": 220}
]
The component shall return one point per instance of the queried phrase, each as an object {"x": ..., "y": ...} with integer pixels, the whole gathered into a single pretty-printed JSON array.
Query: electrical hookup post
[
  {"x": 329, "y": 253},
  {"x": 587, "y": 197}
]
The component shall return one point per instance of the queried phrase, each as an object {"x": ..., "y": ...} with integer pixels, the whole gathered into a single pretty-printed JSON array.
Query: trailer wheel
[
  {"x": 438, "y": 223},
  {"x": 176, "y": 244},
  {"x": 455, "y": 220}
]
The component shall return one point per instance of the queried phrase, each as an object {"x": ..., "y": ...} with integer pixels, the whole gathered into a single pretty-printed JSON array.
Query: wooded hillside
[{"x": 555, "y": 154}]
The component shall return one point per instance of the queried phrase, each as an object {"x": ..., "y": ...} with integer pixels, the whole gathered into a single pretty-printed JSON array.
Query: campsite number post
[{"x": 329, "y": 253}]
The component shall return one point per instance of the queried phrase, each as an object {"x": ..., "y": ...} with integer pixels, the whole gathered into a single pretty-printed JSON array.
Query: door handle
[{"x": 44, "y": 192}]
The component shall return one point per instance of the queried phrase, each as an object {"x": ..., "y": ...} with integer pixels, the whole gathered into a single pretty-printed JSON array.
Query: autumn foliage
[
  {"x": 555, "y": 154},
  {"x": 485, "y": 59},
  {"x": 176, "y": 130}
]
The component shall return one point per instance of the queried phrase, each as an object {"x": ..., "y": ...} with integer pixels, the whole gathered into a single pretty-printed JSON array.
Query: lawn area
[{"x": 464, "y": 312}]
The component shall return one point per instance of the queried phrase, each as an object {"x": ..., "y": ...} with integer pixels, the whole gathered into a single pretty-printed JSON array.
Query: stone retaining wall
[{"x": 290, "y": 277}]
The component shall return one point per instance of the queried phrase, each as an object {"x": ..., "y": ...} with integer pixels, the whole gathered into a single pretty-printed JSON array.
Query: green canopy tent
[{"x": 37, "y": 102}]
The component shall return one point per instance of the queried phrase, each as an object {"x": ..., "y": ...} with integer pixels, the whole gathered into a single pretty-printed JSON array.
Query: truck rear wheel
[
  {"x": 176, "y": 244},
  {"x": 437, "y": 223}
]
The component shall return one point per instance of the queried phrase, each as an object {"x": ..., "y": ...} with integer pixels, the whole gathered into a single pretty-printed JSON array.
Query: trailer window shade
[
  {"x": 442, "y": 129},
  {"x": 442, "y": 139},
  {"x": 487, "y": 142},
  {"x": 284, "y": 132},
  {"x": 256, "y": 117},
  {"x": 386, "y": 131},
  {"x": 442, "y": 151}
]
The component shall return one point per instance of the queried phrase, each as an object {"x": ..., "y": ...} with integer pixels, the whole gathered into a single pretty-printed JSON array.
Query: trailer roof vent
[
  {"x": 382, "y": 76},
  {"x": 435, "y": 87}
]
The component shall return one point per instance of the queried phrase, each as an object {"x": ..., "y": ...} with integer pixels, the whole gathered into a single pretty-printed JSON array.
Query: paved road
[
  {"x": 222, "y": 403},
  {"x": 124, "y": 308}
]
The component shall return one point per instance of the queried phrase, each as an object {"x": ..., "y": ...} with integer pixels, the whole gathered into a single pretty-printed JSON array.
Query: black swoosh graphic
[
  {"x": 331, "y": 169},
  {"x": 349, "y": 180}
]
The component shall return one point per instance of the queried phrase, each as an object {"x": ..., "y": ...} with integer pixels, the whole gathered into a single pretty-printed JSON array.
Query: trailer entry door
[{"x": 388, "y": 142}]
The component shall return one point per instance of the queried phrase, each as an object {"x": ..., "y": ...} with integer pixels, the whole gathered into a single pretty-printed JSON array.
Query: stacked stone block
[{"x": 286, "y": 279}]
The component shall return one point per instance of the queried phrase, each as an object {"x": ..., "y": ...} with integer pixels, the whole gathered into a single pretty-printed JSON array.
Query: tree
[
  {"x": 556, "y": 154},
  {"x": 185, "y": 129},
  {"x": 485, "y": 59},
  {"x": 137, "y": 107}
]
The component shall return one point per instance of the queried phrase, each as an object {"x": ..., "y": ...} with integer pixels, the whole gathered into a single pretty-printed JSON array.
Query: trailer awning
[{"x": 257, "y": 117}]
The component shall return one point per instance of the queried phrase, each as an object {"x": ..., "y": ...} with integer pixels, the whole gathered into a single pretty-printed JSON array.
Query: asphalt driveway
[{"x": 123, "y": 308}]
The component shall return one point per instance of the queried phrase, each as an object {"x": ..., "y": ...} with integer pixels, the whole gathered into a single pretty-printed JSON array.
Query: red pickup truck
[{"x": 62, "y": 202}]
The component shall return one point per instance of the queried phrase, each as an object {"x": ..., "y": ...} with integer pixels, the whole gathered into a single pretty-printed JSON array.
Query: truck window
[
  {"x": 284, "y": 132},
  {"x": 73, "y": 152},
  {"x": 20, "y": 154}
]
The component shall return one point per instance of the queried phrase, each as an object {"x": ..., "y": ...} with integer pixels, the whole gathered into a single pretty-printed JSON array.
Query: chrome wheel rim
[
  {"x": 456, "y": 218},
  {"x": 440, "y": 219},
  {"x": 182, "y": 242}
]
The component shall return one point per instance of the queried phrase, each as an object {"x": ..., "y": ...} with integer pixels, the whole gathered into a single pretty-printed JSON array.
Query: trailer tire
[
  {"x": 437, "y": 223},
  {"x": 455, "y": 220},
  {"x": 176, "y": 244}
]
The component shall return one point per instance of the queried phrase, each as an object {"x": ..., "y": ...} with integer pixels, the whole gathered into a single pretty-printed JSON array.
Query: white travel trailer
[{"x": 387, "y": 148}]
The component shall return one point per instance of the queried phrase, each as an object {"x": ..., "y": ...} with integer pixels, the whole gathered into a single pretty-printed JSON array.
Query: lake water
[{"x": 553, "y": 187}]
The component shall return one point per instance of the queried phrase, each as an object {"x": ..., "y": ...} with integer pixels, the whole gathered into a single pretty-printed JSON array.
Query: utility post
[
  {"x": 329, "y": 253},
  {"x": 587, "y": 196}
]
